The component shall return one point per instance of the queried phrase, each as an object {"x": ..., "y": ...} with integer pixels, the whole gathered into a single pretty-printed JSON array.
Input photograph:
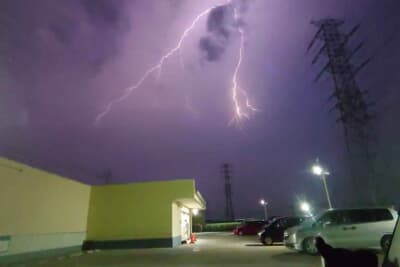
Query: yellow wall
[
  {"x": 37, "y": 202},
  {"x": 135, "y": 211}
]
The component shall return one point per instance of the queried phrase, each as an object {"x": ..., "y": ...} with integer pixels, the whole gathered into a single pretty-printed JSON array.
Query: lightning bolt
[
  {"x": 240, "y": 112},
  {"x": 157, "y": 67}
]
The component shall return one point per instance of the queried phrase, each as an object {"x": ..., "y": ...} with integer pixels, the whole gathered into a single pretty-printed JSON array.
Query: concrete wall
[
  {"x": 137, "y": 211},
  {"x": 40, "y": 210}
]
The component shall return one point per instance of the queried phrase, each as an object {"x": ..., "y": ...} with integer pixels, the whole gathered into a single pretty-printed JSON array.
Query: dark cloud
[
  {"x": 213, "y": 49},
  {"x": 62, "y": 61},
  {"x": 88, "y": 31},
  {"x": 104, "y": 12},
  {"x": 217, "y": 20},
  {"x": 219, "y": 26},
  {"x": 64, "y": 30}
]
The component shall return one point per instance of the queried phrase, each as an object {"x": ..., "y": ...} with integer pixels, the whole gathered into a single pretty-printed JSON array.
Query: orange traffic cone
[{"x": 193, "y": 238}]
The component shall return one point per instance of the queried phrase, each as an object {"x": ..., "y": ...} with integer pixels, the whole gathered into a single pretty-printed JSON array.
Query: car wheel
[
  {"x": 240, "y": 233},
  {"x": 309, "y": 246},
  {"x": 385, "y": 242},
  {"x": 267, "y": 241}
]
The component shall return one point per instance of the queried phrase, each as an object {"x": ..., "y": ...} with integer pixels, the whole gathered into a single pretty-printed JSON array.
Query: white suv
[{"x": 346, "y": 228}]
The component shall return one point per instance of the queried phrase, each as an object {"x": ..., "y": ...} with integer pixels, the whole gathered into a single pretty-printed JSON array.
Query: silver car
[
  {"x": 290, "y": 234},
  {"x": 346, "y": 228}
]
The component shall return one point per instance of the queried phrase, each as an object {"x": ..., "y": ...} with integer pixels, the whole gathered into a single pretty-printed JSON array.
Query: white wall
[{"x": 176, "y": 223}]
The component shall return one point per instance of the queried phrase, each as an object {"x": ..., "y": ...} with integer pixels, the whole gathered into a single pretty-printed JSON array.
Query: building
[
  {"x": 151, "y": 214},
  {"x": 42, "y": 212}
]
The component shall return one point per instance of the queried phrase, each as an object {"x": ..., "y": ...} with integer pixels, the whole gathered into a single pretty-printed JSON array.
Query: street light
[
  {"x": 264, "y": 204},
  {"x": 305, "y": 207},
  {"x": 318, "y": 170},
  {"x": 195, "y": 212}
]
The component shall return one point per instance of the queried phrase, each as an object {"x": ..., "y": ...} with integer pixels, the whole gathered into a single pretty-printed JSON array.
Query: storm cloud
[
  {"x": 219, "y": 27},
  {"x": 221, "y": 24},
  {"x": 61, "y": 62},
  {"x": 61, "y": 30}
]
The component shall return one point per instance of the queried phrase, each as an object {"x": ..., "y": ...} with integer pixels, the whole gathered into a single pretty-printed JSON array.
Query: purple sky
[{"x": 63, "y": 61}]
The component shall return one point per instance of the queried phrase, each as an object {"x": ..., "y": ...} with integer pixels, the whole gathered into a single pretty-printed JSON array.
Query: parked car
[
  {"x": 288, "y": 234},
  {"x": 392, "y": 258},
  {"x": 346, "y": 228},
  {"x": 249, "y": 228},
  {"x": 274, "y": 232}
]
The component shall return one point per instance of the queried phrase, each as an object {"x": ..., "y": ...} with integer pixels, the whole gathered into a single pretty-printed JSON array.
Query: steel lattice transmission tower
[
  {"x": 229, "y": 213},
  {"x": 350, "y": 103}
]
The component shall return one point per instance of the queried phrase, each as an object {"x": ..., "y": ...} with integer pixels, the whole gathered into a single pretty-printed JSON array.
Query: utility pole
[
  {"x": 318, "y": 170},
  {"x": 229, "y": 213},
  {"x": 328, "y": 198},
  {"x": 350, "y": 102},
  {"x": 264, "y": 204}
]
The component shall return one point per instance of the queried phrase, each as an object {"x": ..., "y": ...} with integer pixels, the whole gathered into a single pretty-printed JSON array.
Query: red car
[{"x": 249, "y": 228}]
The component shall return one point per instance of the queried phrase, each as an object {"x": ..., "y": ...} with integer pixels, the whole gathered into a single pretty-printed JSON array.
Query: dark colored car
[
  {"x": 274, "y": 232},
  {"x": 249, "y": 228}
]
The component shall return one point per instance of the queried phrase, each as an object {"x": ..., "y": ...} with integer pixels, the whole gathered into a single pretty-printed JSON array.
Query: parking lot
[{"x": 211, "y": 249}]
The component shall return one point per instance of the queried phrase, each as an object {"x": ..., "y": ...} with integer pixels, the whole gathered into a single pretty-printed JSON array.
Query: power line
[{"x": 349, "y": 100}]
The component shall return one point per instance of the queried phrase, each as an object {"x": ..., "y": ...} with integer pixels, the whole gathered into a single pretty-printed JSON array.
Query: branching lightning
[
  {"x": 242, "y": 105},
  {"x": 157, "y": 67},
  {"x": 240, "y": 110}
]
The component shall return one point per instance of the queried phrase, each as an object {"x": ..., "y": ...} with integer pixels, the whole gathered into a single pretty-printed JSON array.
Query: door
[
  {"x": 369, "y": 226},
  {"x": 250, "y": 228},
  {"x": 331, "y": 228},
  {"x": 278, "y": 229},
  {"x": 286, "y": 224},
  {"x": 354, "y": 230},
  {"x": 185, "y": 225}
]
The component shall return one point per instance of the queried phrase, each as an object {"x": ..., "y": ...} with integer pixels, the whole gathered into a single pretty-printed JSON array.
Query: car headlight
[{"x": 285, "y": 234}]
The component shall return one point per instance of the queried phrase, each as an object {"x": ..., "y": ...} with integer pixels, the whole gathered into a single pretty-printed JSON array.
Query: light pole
[
  {"x": 264, "y": 204},
  {"x": 318, "y": 170}
]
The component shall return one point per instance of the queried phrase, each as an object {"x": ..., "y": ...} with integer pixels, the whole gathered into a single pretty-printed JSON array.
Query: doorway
[{"x": 185, "y": 225}]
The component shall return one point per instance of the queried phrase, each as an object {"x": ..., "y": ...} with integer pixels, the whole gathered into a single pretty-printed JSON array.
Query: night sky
[{"x": 62, "y": 62}]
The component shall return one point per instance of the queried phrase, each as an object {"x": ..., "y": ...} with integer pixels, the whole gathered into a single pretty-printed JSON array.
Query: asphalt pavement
[{"x": 211, "y": 249}]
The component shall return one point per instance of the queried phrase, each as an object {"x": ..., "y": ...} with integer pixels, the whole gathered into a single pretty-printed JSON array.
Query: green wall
[
  {"x": 40, "y": 210},
  {"x": 135, "y": 211}
]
